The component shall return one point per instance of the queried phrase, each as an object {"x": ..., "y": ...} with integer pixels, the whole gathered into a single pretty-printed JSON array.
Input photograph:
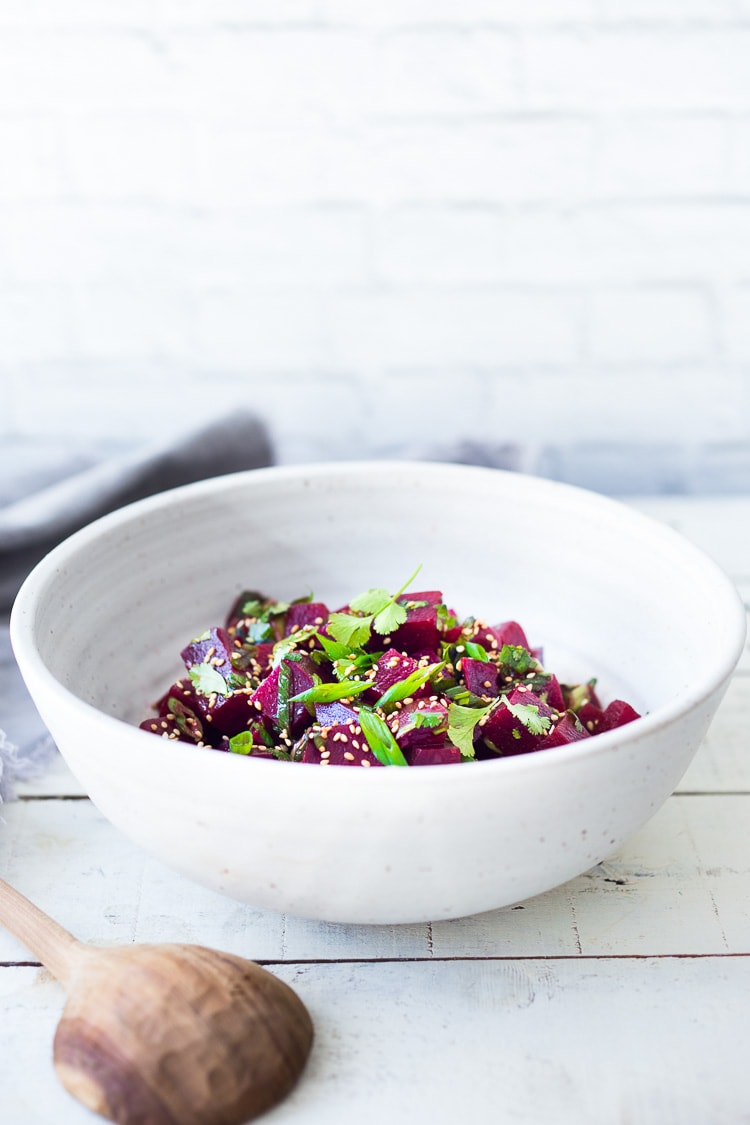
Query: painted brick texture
[{"x": 391, "y": 227}]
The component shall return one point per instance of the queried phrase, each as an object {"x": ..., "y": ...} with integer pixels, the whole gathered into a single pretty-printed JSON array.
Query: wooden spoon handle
[{"x": 54, "y": 946}]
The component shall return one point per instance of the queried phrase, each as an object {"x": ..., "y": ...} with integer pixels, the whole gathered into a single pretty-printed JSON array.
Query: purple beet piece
[
  {"x": 403, "y": 724},
  {"x": 510, "y": 633},
  {"x": 338, "y": 746},
  {"x": 179, "y": 705},
  {"x": 305, "y": 613},
  {"x": 504, "y": 733},
  {"x": 214, "y": 648},
  {"x": 554, "y": 694},
  {"x": 419, "y": 633},
  {"x": 267, "y": 696},
  {"x": 591, "y": 717},
  {"x": 479, "y": 676},
  {"x": 230, "y": 714},
  {"x": 567, "y": 730},
  {"x": 617, "y": 714},
  {"x": 392, "y": 667},
  {"x": 205, "y": 709},
  {"x": 444, "y": 755},
  {"x": 453, "y": 632},
  {"x": 432, "y": 597},
  {"x": 183, "y": 691},
  {"x": 165, "y": 728},
  {"x": 335, "y": 714}
]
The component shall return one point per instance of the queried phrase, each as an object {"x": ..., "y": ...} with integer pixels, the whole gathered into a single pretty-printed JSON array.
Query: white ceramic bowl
[{"x": 98, "y": 626}]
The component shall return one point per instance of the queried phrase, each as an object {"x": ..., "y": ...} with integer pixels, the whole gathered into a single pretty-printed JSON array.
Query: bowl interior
[{"x": 605, "y": 591}]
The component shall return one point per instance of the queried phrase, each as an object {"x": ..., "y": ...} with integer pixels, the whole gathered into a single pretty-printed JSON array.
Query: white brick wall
[{"x": 391, "y": 226}]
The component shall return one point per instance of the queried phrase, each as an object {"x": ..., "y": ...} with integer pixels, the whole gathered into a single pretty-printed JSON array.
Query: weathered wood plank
[
  {"x": 653, "y": 1041},
  {"x": 682, "y": 885}
]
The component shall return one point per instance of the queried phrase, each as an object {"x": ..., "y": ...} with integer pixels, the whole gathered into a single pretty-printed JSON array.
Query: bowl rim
[{"x": 42, "y": 575}]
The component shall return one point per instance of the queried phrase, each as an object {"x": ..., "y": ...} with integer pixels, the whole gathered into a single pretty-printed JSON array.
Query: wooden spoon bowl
[{"x": 166, "y": 1034}]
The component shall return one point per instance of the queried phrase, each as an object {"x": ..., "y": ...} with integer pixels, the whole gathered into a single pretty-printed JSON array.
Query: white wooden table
[{"x": 622, "y": 997}]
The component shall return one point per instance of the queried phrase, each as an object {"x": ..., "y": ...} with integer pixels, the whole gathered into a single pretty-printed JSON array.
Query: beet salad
[{"x": 391, "y": 679}]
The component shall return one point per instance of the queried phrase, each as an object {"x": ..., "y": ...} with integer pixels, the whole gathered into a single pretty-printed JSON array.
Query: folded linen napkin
[{"x": 47, "y": 494}]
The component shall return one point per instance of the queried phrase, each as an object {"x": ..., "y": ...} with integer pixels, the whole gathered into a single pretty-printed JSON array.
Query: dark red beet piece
[
  {"x": 554, "y": 694},
  {"x": 337, "y": 746},
  {"x": 267, "y": 695},
  {"x": 392, "y": 667},
  {"x": 479, "y": 676},
  {"x": 444, "y": 755},
  {"x": 590, "y": 716},
  {"x": 305, "y": 613},
  {"x": 165, "y": 727},
  {"x": 504, "y": 733},
  {"x": 419, "y": 633},
  {"x": 217, "y": 714},
  {"x": 567, "y": 730},
  {"x": 510, "y": 633},
  {"x": 432, "y": 597},
  {"x": 617, "y": 714},
  {"x": 408, "y": 734}
]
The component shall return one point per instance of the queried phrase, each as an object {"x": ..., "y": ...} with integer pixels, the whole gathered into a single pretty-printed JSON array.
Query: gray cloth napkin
[{"x": 47, "y": 493}]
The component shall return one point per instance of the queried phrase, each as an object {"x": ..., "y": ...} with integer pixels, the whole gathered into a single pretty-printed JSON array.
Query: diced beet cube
[
  {"x": 506, "y": 734},
  {"x": 432, "y": 597},
  {"x": 213, "y": 648},
  {"x": 567, "y": 730},
  {"x": 419, "y": 633},
  {"x": 181, "y": 690},
  {"x": 179, "y": 705},
  {"x": 479, "y": 676},
  {"x": 165, "y": 728},
  {"x": 510, "y": 633},
  {"x": 591, "y": 717},
  {"x": 267, "y": 695},
  {"x": 617, "y": 714},
  {"x": 452, "y": 633},
  {"x": 264, "y": 655},
  {"x": 410, "y": 731},
  {"x": 554, "y": 694},
  {"x": 335, "y": 714},
  {"x": 337, "y": 746},
  {"x": 305, "y": 613},
  {"x": 231, "y": 713},
  {"x": 444, "y": 755},
  {"x": 392, "y": 667}
]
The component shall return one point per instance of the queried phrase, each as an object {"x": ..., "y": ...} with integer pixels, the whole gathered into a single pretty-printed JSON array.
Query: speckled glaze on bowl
[{"x": 98, "y": 626}]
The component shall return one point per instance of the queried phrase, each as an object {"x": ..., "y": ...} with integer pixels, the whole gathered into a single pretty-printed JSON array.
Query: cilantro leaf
[
  {"x": 428, "y": 719},
  {"x": 334, "y": 650},
  {"x": 372, "y": 601},
  {"x": 207, "y": 681},
  {"x": 349, "y": 630},
  {"x": 381, "y": 740},
  {"x": 328, "y": 693},
  {"x": 528, "y": 714},
  {"x": 382, "y": 613},
  {"x": 389, "y": 618},
  {"x": 462, "y": 722}
]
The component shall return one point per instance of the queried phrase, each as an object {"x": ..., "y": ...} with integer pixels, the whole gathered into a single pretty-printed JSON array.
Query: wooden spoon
[{"x": 166, "y": 1034}]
